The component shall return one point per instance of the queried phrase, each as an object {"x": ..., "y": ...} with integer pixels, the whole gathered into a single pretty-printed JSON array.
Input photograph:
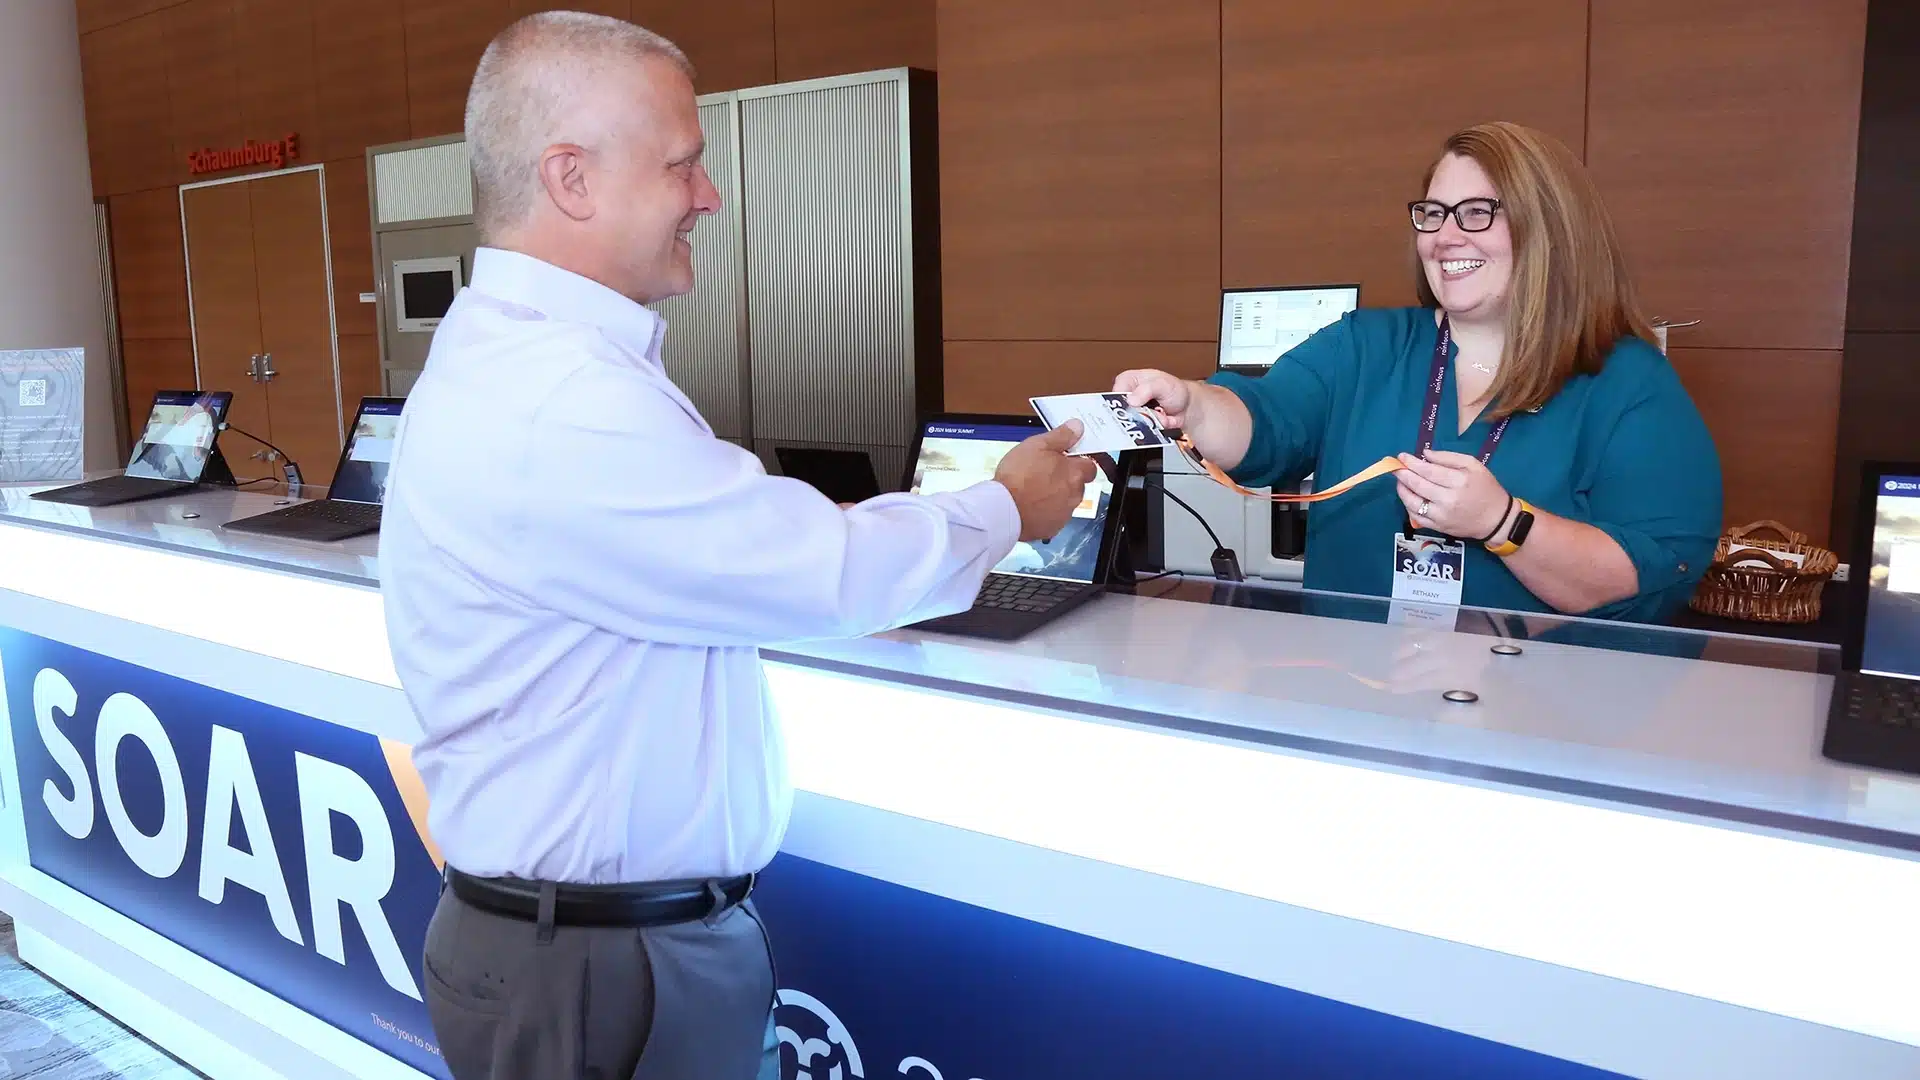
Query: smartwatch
[{"x": 1522, "y": 525}]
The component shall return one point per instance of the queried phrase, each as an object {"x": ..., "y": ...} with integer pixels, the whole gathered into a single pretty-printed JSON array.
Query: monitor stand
[{"x": 218, "y": 473}]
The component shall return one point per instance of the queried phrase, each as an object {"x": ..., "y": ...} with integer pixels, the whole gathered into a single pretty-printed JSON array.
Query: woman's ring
[{"x": 1426, "y": 507}]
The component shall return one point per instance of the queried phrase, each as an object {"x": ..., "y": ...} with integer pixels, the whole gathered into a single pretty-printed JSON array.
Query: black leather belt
[{"x": 651, "y": 904}]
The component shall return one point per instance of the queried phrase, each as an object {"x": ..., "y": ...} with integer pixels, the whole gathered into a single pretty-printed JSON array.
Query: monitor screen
[
  {"x": 1891, "y": 644},
  {"x": 956, "y": 455},
  {"x": 1258, "y": 326},
  {"x": 427, "y": 294},
  {"x": 178, "y": 438},
  {"x": 362, "y": 476}
]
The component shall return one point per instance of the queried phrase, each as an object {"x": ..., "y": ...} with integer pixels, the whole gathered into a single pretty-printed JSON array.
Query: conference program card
[{"x": 1109, "y": 425}]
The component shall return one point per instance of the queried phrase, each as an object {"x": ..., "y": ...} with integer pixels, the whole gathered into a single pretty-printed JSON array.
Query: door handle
[
  {"x": 253, "y": 367},
  {"x": 266, "y": 367}
]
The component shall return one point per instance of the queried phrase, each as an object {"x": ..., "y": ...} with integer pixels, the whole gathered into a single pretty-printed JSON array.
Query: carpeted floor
[{"x": 48, "y": 1034}]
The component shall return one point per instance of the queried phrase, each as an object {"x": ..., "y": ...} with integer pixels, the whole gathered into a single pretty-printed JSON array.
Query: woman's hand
[
  {"x": 1452, "y": 493},
  {"x": 1172, "y": 397}
]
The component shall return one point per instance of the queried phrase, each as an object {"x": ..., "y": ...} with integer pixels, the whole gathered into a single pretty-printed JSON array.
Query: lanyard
[
  {"x": 1430, "y": 419},
  {"x": 1436, "y": 379}
]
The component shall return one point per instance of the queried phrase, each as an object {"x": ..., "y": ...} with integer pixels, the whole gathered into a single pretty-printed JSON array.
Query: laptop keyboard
[
  {"x": 338, "y": 511},
  {"x": 1888, "y": 702},
  {"x": 1009, "y": 593}
]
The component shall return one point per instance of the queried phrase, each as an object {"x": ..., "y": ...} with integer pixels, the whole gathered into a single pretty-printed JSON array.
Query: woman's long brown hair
[{"x": 1570, "y": 299}]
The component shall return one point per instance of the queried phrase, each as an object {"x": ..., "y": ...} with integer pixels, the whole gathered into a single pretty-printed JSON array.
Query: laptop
[
  {"x": 1038, "y": 581},
  {"x": 1259, "y": 326},
  {"x": 1874, "y": 715},
  {"x": 845, "y": 476},
  {"x": 175, "y": 454},
  {"x": 352, "y": 505}
]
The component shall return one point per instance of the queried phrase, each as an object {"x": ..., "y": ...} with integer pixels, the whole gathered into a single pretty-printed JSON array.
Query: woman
[{"x": 1564, "y": 456}]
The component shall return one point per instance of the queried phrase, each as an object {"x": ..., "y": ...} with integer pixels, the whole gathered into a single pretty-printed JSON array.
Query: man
[{"x": 577, "y": 575}]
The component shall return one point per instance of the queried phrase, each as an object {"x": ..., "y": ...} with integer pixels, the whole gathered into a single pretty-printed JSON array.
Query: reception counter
[{"x": 1192, "y": 829}]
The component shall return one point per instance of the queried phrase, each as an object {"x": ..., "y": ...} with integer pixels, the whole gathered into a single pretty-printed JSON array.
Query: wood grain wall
[
  {"x": 163, "y": 77},
  {"x": 1109, "y": 165}
]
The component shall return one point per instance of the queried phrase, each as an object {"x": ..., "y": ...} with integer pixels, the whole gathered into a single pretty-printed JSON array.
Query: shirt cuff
[{"x": 1000, "y": 514}]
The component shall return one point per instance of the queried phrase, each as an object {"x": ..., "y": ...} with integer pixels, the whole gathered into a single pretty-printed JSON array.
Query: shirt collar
[{"x": 567, "y": 297}]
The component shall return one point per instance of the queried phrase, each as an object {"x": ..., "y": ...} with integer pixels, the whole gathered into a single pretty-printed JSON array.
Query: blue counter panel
[
  {"x": 296, "y": 803},
  {"x": 897, "y": 982}
]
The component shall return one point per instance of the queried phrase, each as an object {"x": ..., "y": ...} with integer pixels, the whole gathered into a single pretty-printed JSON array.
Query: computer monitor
[
  {"x": 956, "y": 452},
  {"x": 177, "y": 442},
  {"x": 1885, "y": 639},
  {"x": 361, "y": 475},
  {"x": 1258, "y": 326},
  {"x": 423, "y": 290}
]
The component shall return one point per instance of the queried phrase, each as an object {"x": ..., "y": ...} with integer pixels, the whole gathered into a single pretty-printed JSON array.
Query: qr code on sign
[{"x": 33, "y": 393}]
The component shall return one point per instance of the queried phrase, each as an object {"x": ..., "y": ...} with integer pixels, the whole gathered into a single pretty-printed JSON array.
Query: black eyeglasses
[{"x": 1474, "y": 215}]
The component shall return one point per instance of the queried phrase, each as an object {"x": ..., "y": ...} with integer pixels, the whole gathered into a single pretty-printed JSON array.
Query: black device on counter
[
  {"x": 178, "y": 451},
  {"x": 352, "y": 505},
  {"x": 1038, "y": 581},
  {"x": 845, "y": 476},
  {"x": 1874, "y": 715}
]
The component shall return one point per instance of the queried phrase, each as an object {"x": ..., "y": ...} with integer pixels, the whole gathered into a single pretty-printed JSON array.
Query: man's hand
[{"x": 1045, "y": 483}]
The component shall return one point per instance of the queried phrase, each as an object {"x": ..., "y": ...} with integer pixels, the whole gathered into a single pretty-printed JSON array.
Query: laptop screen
[
  {"x": 956, "y": 455},
  {"x": 1259, "y": 326},
  {"x": 362, "y": 475},
  {"x": 178, "y": 439},
  {"x": 1891, "y": 643}
]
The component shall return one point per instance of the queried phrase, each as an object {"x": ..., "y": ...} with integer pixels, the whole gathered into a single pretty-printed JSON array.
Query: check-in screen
[
  {"x": 1892, "y": 640},
  {"x": 957, "y": 456},
  {"x": 362, "y": 476},
  {"x": 1258, "y": 327},
  {"x": 178, "y": 439}
]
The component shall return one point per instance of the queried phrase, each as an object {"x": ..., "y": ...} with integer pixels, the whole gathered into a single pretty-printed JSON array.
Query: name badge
[{"x": 1428, "y": 569}]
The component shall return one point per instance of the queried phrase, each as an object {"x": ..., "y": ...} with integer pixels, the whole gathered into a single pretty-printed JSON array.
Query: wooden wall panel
[
  {"x": 998, "y": 376},
  {"x": 129, "y": 123},
  {"x": 275, "y": 53},
  {"x": 1080, "y": 170},
  {"x": 98, "y": 14},
  {"x": 834, "y": 37},
  {"x": 149, "y": 264},
  {"x": 154, "y": 364},
  {"x": 1332, "y": 111},
  {"x": 359, "y": 372},
  {"x": 1723, "y": 135},
  {"x": 203, "y": 80},
  {"x": 360, "y": 78},
  {"x": 729, "y": 41},
  {"x": 619, "y": 9},
  {"x": 444, "y": 41},
  {"x": 351, "y": 235},
  {"x": 1771, "y": 412}
]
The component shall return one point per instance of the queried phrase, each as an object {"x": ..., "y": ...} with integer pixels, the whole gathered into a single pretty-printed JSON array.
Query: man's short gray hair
[{"x": 527, "y": 95}]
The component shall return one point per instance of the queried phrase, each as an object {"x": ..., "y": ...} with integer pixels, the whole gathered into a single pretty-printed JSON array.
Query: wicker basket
[{"x": 1757, "y": 585}]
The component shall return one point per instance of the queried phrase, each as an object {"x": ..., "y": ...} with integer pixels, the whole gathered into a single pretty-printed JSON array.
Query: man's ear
[{"x": 563, "y": 174}]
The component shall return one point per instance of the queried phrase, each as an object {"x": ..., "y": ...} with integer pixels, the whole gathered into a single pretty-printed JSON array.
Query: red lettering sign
[{"x": 271, "y": 154}]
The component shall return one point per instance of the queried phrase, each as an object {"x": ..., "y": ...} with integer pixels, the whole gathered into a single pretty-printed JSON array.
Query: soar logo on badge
[{"x": 278, "y": 846}]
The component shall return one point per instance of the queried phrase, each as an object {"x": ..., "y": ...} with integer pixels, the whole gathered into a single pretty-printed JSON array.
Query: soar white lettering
[
  {"x": 324, "y": 788},
  {"x": 1118, "y": 406},
  {"x": 1415, "y": 568}
]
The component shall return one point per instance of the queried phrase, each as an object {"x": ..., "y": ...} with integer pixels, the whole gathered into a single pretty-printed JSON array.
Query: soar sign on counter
[{"x": 273, "y": 844}]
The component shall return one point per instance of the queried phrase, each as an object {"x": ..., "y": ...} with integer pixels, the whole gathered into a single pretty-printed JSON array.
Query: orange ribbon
[{"x": 1382, "y": 467}]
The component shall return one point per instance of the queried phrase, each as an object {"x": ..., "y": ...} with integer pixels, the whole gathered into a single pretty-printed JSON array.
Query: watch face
[{"x": 1522, "y": 525}]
